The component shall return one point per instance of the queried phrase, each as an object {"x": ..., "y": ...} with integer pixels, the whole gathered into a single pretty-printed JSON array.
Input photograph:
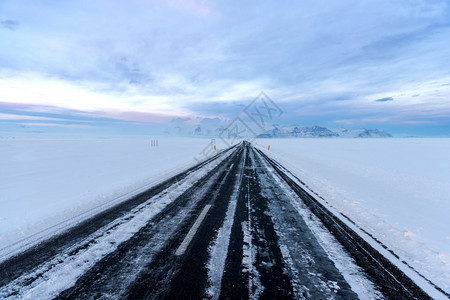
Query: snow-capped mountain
[
  {"x": 297, "y": 131},
  {"x": 318, "y": 131},
  {"x": 213, "y": 127},
  {"x": 208, "y": 127},
  {"x": 361, "y": 133}
]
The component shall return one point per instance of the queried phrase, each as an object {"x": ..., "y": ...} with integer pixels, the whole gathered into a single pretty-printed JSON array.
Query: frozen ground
[
  {"x": 46, "y": 182},
  {"x": 396, "y": 189}
]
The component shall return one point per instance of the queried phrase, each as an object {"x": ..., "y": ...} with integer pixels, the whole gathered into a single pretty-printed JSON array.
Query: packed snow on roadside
[
  {"x": 46, "y": 183},
  {"x": 396, "y": 189}
]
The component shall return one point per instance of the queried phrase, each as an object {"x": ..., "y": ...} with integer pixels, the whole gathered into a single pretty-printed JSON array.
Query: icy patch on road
[
  {"x": 297, "y": 286},
  {"x": 62, "y": 271},
  {"x": 255, "y": 287},
  {"x": 164, "y": 230},
  {"x": 219, "y": 250},
  {"x": 351, "y": 272}
]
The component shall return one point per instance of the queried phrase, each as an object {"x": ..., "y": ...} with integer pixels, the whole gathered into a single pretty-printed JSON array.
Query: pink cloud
[
  {"x": 133, "y": 116},
  {"x": 57, "y": 125}
]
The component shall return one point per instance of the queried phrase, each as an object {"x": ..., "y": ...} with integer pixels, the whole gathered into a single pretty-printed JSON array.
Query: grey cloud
[
  {"x": 131, "y": 71},
  {"x": 9, "y": 24},
  {"x": 180, "y": 120},
  {"x": 385, "y": 99},
  {"x": 227, "y": 110}
]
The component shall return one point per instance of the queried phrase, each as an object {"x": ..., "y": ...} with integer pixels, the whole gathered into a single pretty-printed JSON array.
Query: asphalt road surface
[{"x": 233, "y": 227}]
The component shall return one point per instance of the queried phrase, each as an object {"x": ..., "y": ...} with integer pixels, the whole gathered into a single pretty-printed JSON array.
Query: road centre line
[{"x": 187, "y": 240}]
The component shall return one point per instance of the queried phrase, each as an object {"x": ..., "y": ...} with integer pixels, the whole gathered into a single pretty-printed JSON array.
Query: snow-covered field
[
  {"x": 396, "y": 189},
  {"x": 47, "y": 183}
]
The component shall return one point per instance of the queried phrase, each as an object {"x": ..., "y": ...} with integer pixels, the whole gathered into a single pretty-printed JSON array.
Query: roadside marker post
[{"x": 154, "y": 143}]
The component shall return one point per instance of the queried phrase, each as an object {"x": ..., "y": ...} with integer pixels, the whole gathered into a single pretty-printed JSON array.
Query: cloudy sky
[{"x": 83, "y": 65}]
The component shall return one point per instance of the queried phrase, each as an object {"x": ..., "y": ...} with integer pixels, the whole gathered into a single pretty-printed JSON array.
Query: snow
[
  {"x": 63, "y": 270},
  {"x": 395, "y": 189},
  {"x": 344, "y": 263},
  {"x": 218, "y": 251},
  {"x": 47, "y": 185},
  {"x": 249, "y": 251}
]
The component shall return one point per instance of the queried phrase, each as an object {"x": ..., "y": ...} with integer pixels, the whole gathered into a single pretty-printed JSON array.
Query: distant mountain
[
  {"x": 361, "y": 133},
  {"x": 297, "y": 131},
  {"x": 318, "y": 131},
  {"x": 213, "y": 127},
  {"x": 206, "y": 127}
]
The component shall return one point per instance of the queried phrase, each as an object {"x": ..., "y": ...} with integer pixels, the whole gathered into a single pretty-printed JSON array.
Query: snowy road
[{"x": 235, "y": 226}]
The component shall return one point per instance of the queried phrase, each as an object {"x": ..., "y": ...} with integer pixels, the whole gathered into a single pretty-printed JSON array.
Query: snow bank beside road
[
  {"x": 45, "y": 182},
  {"x": 396, "y": 189}
]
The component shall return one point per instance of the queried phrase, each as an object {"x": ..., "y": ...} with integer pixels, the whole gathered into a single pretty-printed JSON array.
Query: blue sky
[{"x": 136, "y": 65}]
